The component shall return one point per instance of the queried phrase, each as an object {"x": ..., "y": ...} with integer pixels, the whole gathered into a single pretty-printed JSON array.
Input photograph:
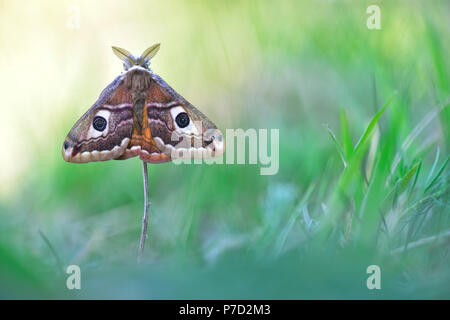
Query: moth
[{"x": 139, "y": 114}]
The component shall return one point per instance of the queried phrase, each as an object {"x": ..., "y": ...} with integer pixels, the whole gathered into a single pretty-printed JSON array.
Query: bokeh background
[{"x": 364, "y": 143}]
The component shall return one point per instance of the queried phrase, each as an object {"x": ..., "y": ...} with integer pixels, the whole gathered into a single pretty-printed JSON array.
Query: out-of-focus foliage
[{"x": 364, "y": 143}]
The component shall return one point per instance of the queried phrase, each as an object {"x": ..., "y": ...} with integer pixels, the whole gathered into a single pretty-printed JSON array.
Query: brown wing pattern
[
  {"x": 196, "y": 137},
  {"x": 104, "y": 131},
  {"x": 139, "y": 114}
]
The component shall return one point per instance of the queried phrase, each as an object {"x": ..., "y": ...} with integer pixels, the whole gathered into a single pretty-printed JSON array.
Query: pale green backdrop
[{"x": 313, "y": 70}]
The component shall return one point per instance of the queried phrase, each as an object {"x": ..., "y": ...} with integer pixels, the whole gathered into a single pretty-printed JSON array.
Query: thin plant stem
[{"x": 145, "y": 218}]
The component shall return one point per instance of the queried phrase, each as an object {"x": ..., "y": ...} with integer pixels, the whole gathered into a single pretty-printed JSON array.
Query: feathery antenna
[
  {"x": 149, "y": 53},
  {"x": 130, "y": 60},
  {"x": 123, "y": 55}
]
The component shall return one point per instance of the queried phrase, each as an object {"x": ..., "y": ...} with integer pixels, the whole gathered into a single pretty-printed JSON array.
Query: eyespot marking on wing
[
  {"x": 183, "y": 127},
  {"x": 98, "y": 127}
]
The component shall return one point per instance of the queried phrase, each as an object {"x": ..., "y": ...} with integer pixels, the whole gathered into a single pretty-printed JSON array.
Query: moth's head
[{"x": 130, "y": 60}]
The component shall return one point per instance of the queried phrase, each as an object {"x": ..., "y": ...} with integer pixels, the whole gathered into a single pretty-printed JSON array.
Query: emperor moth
[{"x": 139, "y": 114}]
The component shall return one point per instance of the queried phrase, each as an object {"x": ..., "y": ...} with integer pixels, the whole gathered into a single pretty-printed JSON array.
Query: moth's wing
[
  {"x": 200, "y": 138},
  {"x": 88, "y": 141}
]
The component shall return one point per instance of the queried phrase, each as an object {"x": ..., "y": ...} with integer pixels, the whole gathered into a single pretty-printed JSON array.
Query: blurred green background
[{"x": 364, "y": 143}]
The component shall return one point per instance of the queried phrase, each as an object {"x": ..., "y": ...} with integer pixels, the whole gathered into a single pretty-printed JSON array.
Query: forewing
[
  {"x": 196, "y": 138},
  {"x": 91, "y": 139}
]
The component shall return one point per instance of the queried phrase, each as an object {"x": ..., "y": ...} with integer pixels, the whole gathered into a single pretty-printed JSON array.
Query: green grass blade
[
  {"x": 346, "y": 139},
  {"x": 436, "y": 159},
  {"x": 287, "y": 229},
  {"x": 437, "y": 175},
  {"x": 337, "y": 144},
  {"x": 369, "y": 130},
  {"x": 415, "y": 179},
  {"x": 404, "y": 181}
]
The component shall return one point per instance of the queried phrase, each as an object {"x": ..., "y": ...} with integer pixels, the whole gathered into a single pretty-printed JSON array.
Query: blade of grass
[
  {"x": 346, "y": 139},
  {"x": 436, "y": 158},
  {"x": 416, "y": 176},
  {"x": 400, "y": 185},
  {"x": 287, "y": 229},
  {"x": 352, "y": 169},
  {"x": 422, "y": 242},
  {"x": 337, "y": 144},
  {"x": 59, "y": 263},
  {"x": 403, "y": 183},
  {"x": 437, "y": 175},
  {"x": 369, "y": 130},
  {"x": 413, "y": 135},
  {"x": 372, "y": 153}
]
